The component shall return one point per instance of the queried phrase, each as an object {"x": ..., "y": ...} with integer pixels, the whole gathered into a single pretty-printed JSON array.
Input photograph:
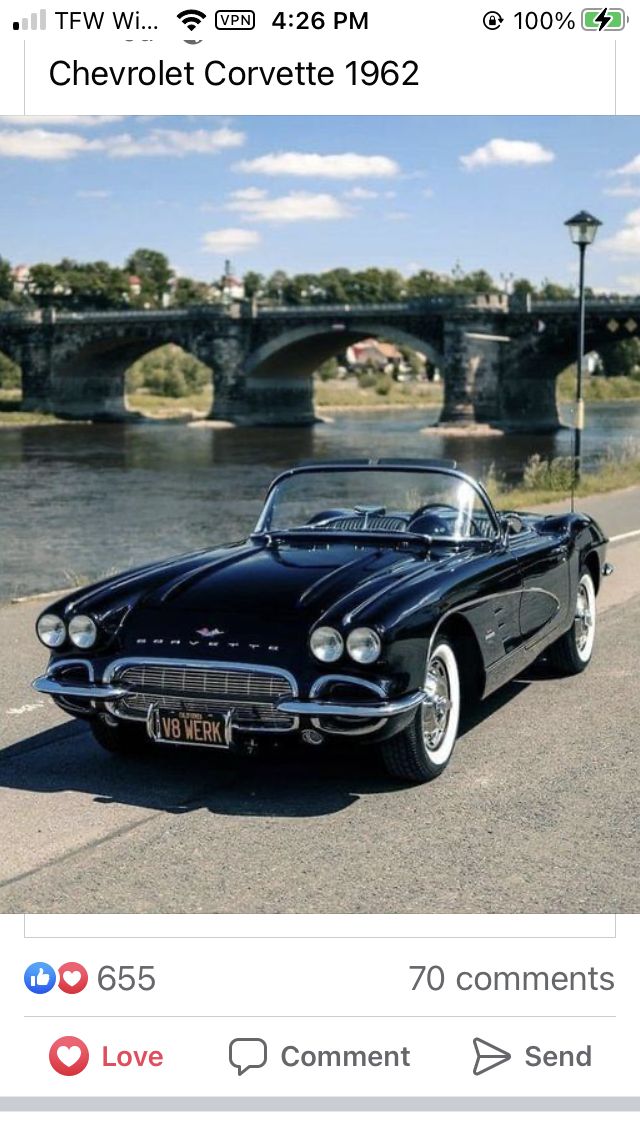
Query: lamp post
[{"x": 583, "y": 229}]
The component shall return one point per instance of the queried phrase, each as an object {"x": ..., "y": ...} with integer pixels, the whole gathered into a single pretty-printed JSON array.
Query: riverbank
[{"x": 331, "y": 397}]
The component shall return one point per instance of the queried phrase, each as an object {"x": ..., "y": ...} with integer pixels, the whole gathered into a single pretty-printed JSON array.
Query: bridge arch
[
  {"x": 89, "y": 379},
  {"x": 278, "y": 373}
]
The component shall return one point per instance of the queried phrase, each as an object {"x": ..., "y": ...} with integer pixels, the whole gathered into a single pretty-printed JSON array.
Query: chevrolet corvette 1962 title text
[{"x": 370, "y": 602}]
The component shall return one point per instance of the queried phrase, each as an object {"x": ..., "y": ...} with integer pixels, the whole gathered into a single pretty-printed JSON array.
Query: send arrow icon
[{"x": 488, "y": 1056}]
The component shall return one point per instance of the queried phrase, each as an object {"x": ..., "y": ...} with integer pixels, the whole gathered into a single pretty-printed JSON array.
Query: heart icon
[
  {"x": 68, "y": 1056},
  {"x": 72, "y": 978}
]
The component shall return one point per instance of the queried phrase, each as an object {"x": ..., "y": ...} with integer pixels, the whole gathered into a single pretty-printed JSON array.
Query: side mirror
[{"x": 511, "y": 524}]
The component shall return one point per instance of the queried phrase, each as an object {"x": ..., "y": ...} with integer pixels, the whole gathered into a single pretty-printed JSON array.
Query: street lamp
[{"x": 583, "y": 229}]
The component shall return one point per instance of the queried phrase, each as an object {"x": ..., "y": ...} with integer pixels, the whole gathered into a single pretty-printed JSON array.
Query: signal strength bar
[{"x": 33, "y": 22}]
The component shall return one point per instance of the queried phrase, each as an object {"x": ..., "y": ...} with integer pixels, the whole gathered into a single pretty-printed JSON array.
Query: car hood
[
  {"x": 280, "y": 582},
  {"x": 254, "y": 580}
]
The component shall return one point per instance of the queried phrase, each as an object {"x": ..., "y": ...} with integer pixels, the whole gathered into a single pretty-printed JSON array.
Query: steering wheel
[{"x": 441, "y": 527}]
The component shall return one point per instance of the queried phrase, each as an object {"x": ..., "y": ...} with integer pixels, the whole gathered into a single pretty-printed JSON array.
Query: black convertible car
[{"x": 371, "y": 600}]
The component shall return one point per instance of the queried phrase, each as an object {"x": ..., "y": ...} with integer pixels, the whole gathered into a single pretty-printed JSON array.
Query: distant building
[
  {"x": 374, "y": 354},
  {"x": 21, "y": 276},
  {"x": 135, "y": 285},
  {"x": 231, "y": 286}
]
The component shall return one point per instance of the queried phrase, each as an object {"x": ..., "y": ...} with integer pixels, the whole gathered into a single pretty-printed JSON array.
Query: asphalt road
[{"x": 538, "y": 811}]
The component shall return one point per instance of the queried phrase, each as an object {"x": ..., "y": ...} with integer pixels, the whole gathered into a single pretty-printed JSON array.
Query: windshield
[{"x": 439, "y": 505}]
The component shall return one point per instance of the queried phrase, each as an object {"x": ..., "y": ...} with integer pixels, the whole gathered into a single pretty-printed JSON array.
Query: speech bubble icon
[{"x": 247, "y": 1053}]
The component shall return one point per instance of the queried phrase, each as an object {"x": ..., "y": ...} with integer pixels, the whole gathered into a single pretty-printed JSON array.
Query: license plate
[{"x": 189, "y": 727}]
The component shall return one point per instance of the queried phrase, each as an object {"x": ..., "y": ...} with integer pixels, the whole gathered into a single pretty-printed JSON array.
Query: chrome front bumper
[
  {"x": 312, "y": 708},
  {"x": 95, "y": 692},
  {"x": 390, "y": 709}
]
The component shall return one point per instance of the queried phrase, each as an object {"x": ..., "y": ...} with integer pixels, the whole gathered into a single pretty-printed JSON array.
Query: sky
[{"x": 306, "y": 194}]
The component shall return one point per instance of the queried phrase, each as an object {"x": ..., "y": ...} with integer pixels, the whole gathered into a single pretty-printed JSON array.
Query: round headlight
[
  {"x": 363, "y": 645},
  {"x": 51, "y": 630},
  {"x": 326, "y": 644},
  {"x": 82, "y": 631}
]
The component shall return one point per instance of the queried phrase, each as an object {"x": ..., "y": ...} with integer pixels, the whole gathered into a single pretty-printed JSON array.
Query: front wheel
[
  {"x": 572, "y": 653},
  {"x": 424, "y": 748}
]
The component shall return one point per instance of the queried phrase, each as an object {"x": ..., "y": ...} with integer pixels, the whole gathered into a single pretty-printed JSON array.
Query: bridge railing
[{"x": 494, "y": 301}]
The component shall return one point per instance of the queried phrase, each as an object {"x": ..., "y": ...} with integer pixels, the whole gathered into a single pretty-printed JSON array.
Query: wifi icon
[{"x": 192, "y": 18}]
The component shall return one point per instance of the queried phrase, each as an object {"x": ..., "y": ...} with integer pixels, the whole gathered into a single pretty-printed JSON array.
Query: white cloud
[
  {"x": 291, "y": 207},
  {"x": 249, "y": 194},
  {"x": 625, "y": 190},
  {"x": 227, "y": 241},
  {"x": 629, "y": 284},
  {"x": 507, "y": 152},
  {"x": 632, "y": 167},
  {"x": 360, "y": 194},
  {"x": 344, "y": 167},
  {"x": 94, "y": 194},
  {"x": 54, "y": 145},
  {"x": 44, "y": 145},
  {"x": 79, "y": 120},
  {"x": 173, "y": 143},
  {"x": 397, "y": 215},
  {"x": 626, "y": 242}
]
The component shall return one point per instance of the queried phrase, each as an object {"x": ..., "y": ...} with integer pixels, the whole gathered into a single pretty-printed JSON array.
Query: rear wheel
[
  {"x": 572, "y": 653},
  {"x": 424, "y": 748},
  {"x": 124, "y": 738}
]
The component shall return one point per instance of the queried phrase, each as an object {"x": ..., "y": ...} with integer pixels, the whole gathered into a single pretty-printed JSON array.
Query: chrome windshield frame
[{"x": 263, "y": 530}]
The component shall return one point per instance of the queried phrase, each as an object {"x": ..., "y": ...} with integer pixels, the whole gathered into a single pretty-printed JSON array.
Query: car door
[{"x": 544, "y": 564}]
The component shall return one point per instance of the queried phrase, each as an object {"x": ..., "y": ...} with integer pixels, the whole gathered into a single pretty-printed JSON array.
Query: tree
[
  {"x": 154, "y": 272},
  {"x": 46, "y": 283},
  {"x": 551, "y": 291},
  {"x": 522, "y": 288},
  {"x": 276, "y": 285},
  {"x": 427, "y": 283},
  {"x": 6, "y": 280},
  {"x": 622, "y": 357},
  {"x": 254, "y": 283},
  {"x": 188, "y": 292}
]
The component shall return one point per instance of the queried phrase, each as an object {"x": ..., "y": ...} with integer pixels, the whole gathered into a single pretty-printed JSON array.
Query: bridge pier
[
  {"x": 255, "y": 399},
  {"x": 35, "y": 359},
  {"x": 471, "y": 375}
]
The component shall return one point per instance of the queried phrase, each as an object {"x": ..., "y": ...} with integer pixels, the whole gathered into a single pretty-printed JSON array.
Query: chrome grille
[{"x": 250, "y": 693}]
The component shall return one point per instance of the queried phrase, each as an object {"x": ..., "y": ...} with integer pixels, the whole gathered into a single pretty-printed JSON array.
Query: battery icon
[{"x": 603, "y": 19}]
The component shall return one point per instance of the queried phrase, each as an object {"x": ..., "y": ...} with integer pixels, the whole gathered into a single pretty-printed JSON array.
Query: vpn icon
[{"x": 192, "y": 18}]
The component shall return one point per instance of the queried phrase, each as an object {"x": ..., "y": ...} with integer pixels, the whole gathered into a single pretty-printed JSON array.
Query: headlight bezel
[
  {"x": 83, "y": 640},
  {"x": 375, "y": 649},
  {"x": 328, "y": 631},
  {"x": 57, "y": 641}
]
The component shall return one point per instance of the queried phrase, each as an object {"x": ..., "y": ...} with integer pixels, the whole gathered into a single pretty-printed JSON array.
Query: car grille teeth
[{"x": 251, "y": 695}]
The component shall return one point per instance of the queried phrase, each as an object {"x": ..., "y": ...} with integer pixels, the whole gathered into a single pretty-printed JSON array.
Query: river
[{"x": 78, "y": 502}]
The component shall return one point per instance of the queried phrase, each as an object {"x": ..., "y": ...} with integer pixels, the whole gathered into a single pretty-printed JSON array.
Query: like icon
[
  {"x": 69, "y": 1056},
  {"x": 72, "y": 977},
  {"x": 39, "y": 978}
]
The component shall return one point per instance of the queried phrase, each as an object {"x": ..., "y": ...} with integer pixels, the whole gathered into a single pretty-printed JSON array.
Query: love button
[{"x": 72, "y": 978}]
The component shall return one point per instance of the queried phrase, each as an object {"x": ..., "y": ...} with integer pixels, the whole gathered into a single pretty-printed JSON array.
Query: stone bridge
[{"x": 499, "y": 359}]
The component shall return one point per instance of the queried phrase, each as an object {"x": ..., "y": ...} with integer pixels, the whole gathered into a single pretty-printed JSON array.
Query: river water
[{"x": 78, "y": 502}]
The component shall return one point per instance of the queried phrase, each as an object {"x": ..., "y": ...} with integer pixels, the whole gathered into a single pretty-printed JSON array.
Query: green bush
[
  {"x": 10, "y": 375},
  {"x": 384, "y": 385},
  {"x": 169, "y": 371},
  {"x": 542, "y": 474},
  {"x": 367, "y": 380}
]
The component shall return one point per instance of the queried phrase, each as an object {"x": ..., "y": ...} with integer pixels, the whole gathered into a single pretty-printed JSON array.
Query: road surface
[{"x": 537, "y": 812}]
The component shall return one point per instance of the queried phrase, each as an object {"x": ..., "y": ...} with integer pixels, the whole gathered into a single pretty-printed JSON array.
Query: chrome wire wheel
[
  {"x": 440, "y": 711},
  {"x": 437, "y": 707},
  {"x": 584, "y": 623}
]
